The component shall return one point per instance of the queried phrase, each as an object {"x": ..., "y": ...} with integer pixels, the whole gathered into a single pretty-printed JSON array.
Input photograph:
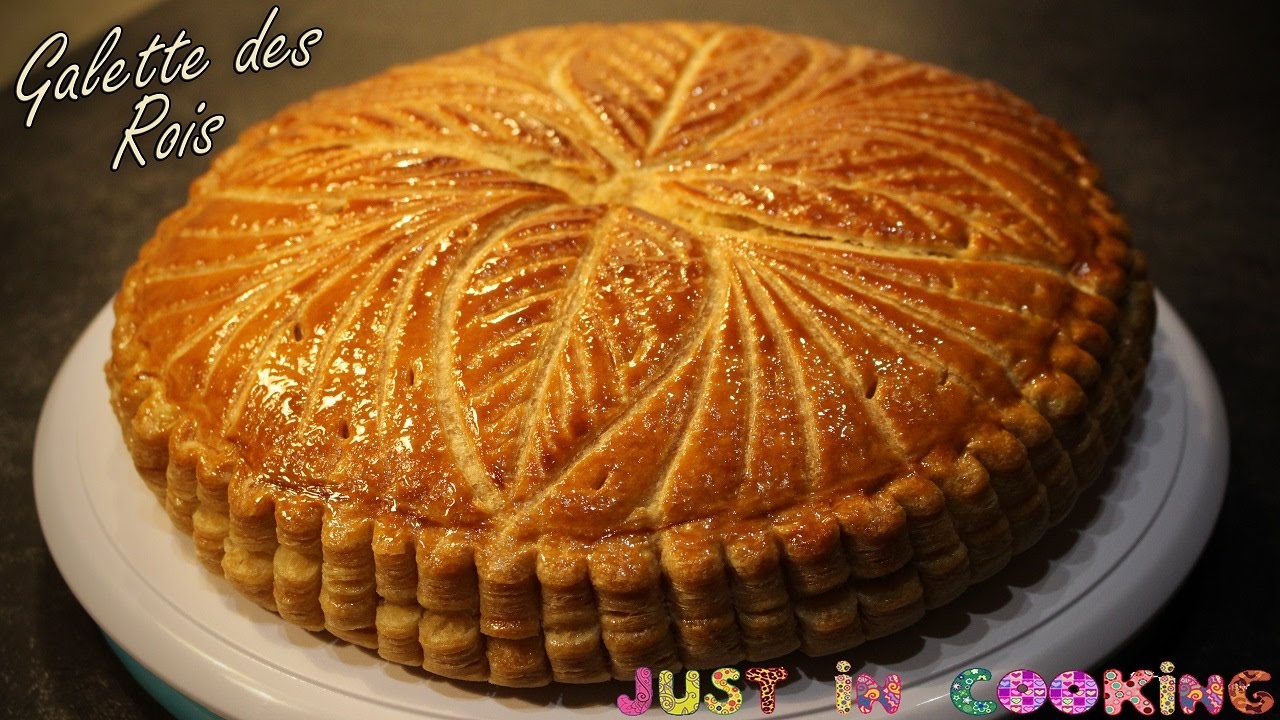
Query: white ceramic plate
[{"x": 1064, "y": 605}]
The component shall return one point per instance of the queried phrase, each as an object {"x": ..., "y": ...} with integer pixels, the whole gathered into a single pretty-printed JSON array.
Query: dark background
[{"x": 1172, "y": 100}]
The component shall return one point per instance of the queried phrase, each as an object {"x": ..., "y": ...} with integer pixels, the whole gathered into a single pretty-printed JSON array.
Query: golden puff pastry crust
[{"x": 660, "y": 344}]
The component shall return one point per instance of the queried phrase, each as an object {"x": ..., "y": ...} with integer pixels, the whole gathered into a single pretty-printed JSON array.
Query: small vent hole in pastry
[
  {"x": 344, "y": 430},
  {"x": 297, "y": 331},
  {"x": 871, "y": 388},
  {"x": 413, "y": 377}
]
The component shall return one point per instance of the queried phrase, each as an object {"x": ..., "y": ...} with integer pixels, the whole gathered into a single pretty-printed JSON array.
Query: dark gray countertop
[{"x": 1168, "y": 99}]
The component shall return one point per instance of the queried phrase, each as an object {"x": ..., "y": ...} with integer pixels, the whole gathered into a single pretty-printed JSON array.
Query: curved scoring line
[
  {"x": 635, "y": 85},
  {"x": 490, "y": 389},
  {"x": 258, "y": 258},
  {"x": 239, "y": 289},
  {"x": 750, "y": 346},
  {"x": 611, "y": 151},
  {"x": 1033, "y": 147},
  {"x": 389, "y": 346},
  {"x": 787, "y": 92},
  {"x": 756, "y": 231},
  {"x": 314, "y": 254},
  {"x": 890, "y": 336},
  {"x": 566, "y": 311},
  {"x": 518, "y": 271},
  {"x": 252, "y": 285},
  {"x": 665, "y": 472},
  {"x": 711, "y": 209},
  {"x": 791, "y": 365},
  {"x": 617, "y": 357},
  {"x": 928, "y": 200},
  {"x": 565, "y": 112},
  {"x": 427, "y": 81},
  {"x": 485, "y": 389},
  {"x": 351, "y": 305},
  {"x": 891, "y": 70},
  {"x": 831, "y": 346},
  {"x": 971, "y": 220},
  {"x": 1005, "y": 133},
  {"x": 262, "y": 296},
  {"x": 243, "y": 385},
  {"x": 466, "y": 124},
  {"x": 680, "y": 358},
  {"x": 448, "y": 401},
  {"x": 939, "y": 322},
  {"x": 520, "y": 303},
  {"x": 528, "y": 164},
  {"x": 680, "y": 89},
  {"x": 290, "y": 274},
  {"x": 780, "y": 247},
  {"x": 955, "y": 157}
]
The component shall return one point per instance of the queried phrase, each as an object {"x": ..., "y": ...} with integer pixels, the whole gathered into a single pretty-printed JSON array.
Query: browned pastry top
[{"x": 584, "y": 283}]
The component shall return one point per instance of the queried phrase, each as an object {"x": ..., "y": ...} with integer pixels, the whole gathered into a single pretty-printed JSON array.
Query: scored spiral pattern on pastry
[{"x": 606, "y": 346}]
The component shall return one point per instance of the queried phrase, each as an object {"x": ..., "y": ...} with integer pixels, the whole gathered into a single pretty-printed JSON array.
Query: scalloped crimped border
[{"x": 524, "y": 613}]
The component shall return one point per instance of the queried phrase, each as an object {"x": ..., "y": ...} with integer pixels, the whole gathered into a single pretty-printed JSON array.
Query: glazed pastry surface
[{"x": 606, "y": 346}]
